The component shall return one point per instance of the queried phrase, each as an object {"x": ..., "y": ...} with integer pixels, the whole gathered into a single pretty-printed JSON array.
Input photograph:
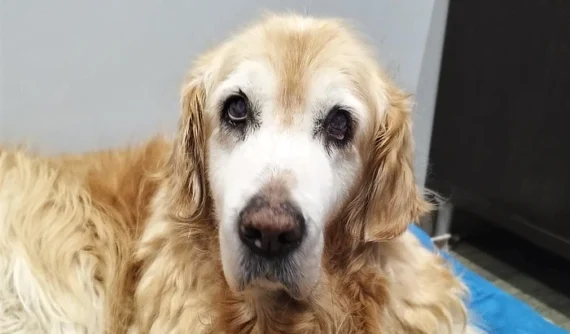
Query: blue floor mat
[{"x": 500, "y": 312}]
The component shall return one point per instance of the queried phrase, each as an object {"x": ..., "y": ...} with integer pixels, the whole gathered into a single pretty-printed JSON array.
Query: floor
[{"x": 526, "y": 271}]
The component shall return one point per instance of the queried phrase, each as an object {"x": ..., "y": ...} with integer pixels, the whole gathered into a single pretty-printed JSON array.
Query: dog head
[{"x": 286, "y": 127}]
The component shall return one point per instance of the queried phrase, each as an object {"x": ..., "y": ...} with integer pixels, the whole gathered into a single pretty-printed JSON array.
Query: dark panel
[{"x": 501, "y": 137}]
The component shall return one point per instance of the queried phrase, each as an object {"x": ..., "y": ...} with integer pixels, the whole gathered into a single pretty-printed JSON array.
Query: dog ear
[
  {"x": 188, "y": 159},
  {"x": 389, "y": 199}
]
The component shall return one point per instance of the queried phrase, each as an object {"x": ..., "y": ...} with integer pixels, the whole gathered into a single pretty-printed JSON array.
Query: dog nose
[{"x": 271, "y": 229}]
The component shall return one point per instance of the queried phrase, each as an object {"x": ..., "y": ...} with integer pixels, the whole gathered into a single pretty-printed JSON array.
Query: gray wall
[
  {"x": 426, "y": 89},
  {"x": 78, "y": 75}
]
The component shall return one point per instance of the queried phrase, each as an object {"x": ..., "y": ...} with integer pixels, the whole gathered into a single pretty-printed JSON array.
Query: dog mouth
[{"x": 272, "y": 275}]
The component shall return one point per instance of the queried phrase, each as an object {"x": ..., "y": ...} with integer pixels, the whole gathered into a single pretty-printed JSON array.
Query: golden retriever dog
[{"x": 281, "y": 206}]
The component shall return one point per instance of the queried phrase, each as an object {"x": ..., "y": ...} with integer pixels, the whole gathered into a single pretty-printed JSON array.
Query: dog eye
[
  {"x": 337, "y": 125},
  {"x": 236, "y": 108}
]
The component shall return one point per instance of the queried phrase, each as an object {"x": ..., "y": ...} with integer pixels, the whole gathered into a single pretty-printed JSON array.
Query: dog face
[{"x": 290, "y": 127}]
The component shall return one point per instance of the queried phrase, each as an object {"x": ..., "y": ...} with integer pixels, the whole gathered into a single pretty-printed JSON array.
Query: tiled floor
[{"x": 531, "y": 274}]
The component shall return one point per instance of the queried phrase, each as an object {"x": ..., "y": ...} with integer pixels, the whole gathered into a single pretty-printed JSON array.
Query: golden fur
[{"x": 126, "y": 240}]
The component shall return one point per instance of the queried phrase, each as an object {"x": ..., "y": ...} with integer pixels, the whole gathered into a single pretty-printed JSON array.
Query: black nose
[{"x": 271, "y": 229}]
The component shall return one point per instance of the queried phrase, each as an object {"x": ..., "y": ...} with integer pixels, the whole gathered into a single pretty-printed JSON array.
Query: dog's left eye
[{"x": 337, "y": 125}]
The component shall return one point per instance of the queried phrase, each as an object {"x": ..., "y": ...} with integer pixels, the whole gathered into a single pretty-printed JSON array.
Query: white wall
[{"x": 78, "y": 75}]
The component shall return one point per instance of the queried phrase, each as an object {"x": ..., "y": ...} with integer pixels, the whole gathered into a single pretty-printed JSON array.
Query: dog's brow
[
  {"x": 295, "y": 55},
  {"x": 292, "y": 73}
]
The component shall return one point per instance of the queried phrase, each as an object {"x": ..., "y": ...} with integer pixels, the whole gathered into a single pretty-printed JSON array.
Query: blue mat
[{"x": 500, "y": 312}]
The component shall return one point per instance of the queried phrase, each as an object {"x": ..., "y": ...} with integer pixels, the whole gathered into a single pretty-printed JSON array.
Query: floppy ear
[
  {"x": 389, "y": 199},
  {"x": 188, "y": 159}
]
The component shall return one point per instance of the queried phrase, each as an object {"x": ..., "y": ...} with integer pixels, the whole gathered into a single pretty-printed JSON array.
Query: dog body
[{"x": 280, "y": 207}]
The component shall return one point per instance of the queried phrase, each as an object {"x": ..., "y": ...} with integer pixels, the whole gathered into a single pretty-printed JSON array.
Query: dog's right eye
[{"x": 236, "y": 109}]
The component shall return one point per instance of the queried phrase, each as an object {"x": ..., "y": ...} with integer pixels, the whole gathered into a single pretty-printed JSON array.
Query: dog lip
[{"x": 256, "y": 269}]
